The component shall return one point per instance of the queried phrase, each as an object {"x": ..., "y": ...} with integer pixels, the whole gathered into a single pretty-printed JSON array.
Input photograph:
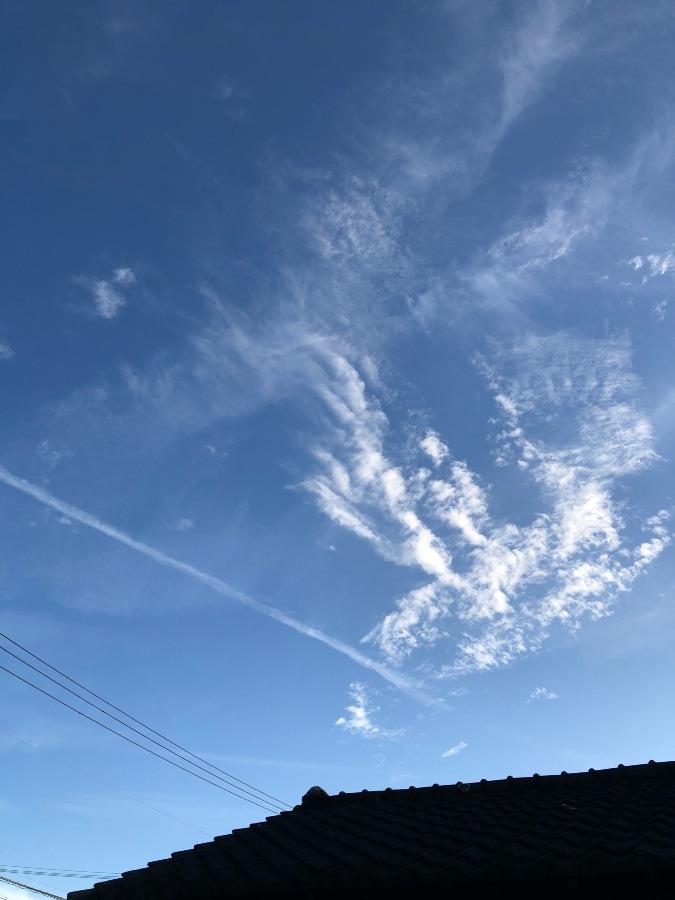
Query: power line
[
  {"x": 56, "y": 873},
  {"x": 140, "y": 733},
  {"x": 158, "y": 734},
  {"x": 104, "y": 783},
  {"x": 132, "y": 741},
  {"x": 28, "y": 887}
]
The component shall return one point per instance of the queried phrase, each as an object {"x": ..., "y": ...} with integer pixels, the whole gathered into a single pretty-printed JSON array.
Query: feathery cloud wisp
[
  {"x": 107, "y": 294},
  {"x": 360, "y": 718},
  {"x": 124, "y": 276},
  {"x": 453, "y": 751},
  {"x": 571, "y": 429},
  {"x": 107, "y": 300},
  {"x": 541, "y": 693}
]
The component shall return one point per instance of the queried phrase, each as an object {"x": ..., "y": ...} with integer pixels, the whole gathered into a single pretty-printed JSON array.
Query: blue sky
[{"x": 336, "y": 355}]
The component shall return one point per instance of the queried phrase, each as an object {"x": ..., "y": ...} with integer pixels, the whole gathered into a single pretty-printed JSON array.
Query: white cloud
[
  {"x": 214, "y": 451},
  {"x": 434, "y": 448},
  {"x": 124, "y": 276},
  {"x": 541, "y": 43},
  {"x": 524, "y": 263},
  {"x": 107, "y": 300},
  {"x": 572, "y": 428},
  {"x": 660, "y": 310},
  {"x": 360, "y": 715},
  {"x": 660, "y": 264},
  {"x": 654, "y": 265},
  {"x": 107, "y": 295},
  {"x": 453, "y": 751},
  {"x": 184, "y": 524},
  {"x": 541, "y": 693},
  {"x": 52, "y": 455},
  {"x": 525, "y": 60},
  {"x": 356, "y": 225},
  {"x": 6, "y": 351}
]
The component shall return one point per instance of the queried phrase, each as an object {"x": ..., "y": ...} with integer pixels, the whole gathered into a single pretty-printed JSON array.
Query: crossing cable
[
  {"x": 56, "y": 873},
  {"x": 135, "y": 743},
  {"x": 28, "y": 887},
  {"x": 131, "y": 727},
  {"x": 168, "y": 740}
]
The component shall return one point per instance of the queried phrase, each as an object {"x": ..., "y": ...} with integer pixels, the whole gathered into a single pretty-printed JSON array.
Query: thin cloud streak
[{"x": 402, "y": 682}]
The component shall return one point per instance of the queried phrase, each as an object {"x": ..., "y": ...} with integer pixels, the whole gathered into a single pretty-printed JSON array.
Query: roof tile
[{"x": 614, "y": 822}]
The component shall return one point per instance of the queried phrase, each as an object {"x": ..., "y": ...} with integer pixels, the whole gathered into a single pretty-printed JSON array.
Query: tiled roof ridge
[
  {"x": 316, "y": 797},
  {"x": 580, "y": 824}
]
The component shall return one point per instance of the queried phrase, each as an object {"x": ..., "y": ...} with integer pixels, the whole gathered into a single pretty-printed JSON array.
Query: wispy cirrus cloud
[
  {"x": 6, "y": 351},
  {"x": 660, "y": 311},
  {"x": 107, "y": 295},
  {"x": 572, "y": 429},
  {"x": 579, "y": 220},
  {"x": 454, "y": 750},
  {"x": 492, "y": 589},
  {"x": 443, "y": 143},
  {"x": 360, "y": 715},
  {"x": 124, "y": 276},
  {"x": 652, "y": 265},
  {"x": 107, "y": 300},
  {"x": 50, "y": 454},
  {"x": 541, "y": 42},
  {"x": 488, "y": 587},
  {"x": 184, "y": 524},
  {"x": 542, "y": 693}
]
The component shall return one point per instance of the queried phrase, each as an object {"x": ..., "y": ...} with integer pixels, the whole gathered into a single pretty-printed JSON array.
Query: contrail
[{"x": 402, "y": 682}]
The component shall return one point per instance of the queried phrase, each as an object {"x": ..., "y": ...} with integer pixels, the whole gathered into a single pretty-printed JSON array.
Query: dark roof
[{"x": 579, "y": 832}]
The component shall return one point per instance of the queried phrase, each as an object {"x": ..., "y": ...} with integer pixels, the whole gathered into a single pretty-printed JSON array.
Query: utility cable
[
  {"x": 132, "y": 741},
  {"x": 56, "y": 873},
  {"x": 138, "y": 721},
  {"x": 136, "y": 731},
  {"x": 104, "y": 783},
  {"x": 28, "y": 887}
]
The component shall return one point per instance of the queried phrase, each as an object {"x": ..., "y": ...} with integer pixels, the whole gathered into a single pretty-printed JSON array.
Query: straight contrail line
[{"x": 408, "y": 685}]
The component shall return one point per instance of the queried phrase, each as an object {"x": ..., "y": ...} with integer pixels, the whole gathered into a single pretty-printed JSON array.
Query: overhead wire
[
  {"x": 137, "y": 721},
  {"x": 29, "y": 887},
  {"x": 56, "y": 873},
  {"x": 136, "y": 731},
  {"x": 267, "y": 808}
]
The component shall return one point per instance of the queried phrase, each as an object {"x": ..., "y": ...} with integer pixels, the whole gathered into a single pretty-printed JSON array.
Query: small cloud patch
[
  {"x": 107, "y": 294},
  {"x": 52, "y": 455},
  {"x": 434, "y": 447},
  {"x": 107, "y": 300},
  {"x": 453, "y": 751},
  {"x": 124, "y": 276},
  {"x": 660, "y": 310},
  {"x": 360, "y": 715},
  {"x": 542, "y": 693}
]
